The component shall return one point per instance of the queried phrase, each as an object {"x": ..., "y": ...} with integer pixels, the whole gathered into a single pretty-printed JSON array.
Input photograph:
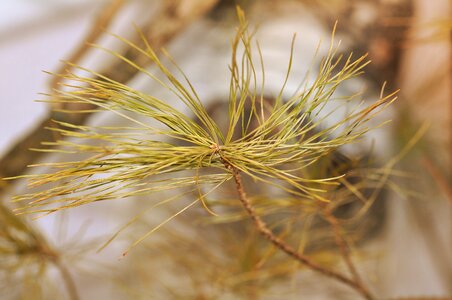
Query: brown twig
[
  {"x": 343, "y": 247},
  {"x": 280, "y": 244}
]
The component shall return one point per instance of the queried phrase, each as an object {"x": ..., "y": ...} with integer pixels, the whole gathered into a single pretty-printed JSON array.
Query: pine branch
[
  {"x": 340, "y": 242},
  {"x": 170, "y": 150},
  {"x": 263, "y": 229}
]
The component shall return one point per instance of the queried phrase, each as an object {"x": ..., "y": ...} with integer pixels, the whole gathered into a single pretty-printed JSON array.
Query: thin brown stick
[
  {"x": 268, "y": 234},
  {"x": 343, "y": 247}
]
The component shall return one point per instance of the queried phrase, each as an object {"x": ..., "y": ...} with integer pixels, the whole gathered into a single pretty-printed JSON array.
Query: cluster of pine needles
[{"x": 274, "y": 144}]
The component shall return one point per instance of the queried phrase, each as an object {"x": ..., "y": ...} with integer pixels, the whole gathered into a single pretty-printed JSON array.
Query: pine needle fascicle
[{"x": 173, "y": 150}]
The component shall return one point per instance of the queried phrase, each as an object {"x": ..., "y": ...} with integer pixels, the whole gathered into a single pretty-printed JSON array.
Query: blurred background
[{"x": 408, "y": 252}]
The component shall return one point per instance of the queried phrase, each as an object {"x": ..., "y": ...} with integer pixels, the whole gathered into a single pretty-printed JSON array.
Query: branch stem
[
  {"x": 343, "y": 248},
  {"x": 281, "y": 245}
]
